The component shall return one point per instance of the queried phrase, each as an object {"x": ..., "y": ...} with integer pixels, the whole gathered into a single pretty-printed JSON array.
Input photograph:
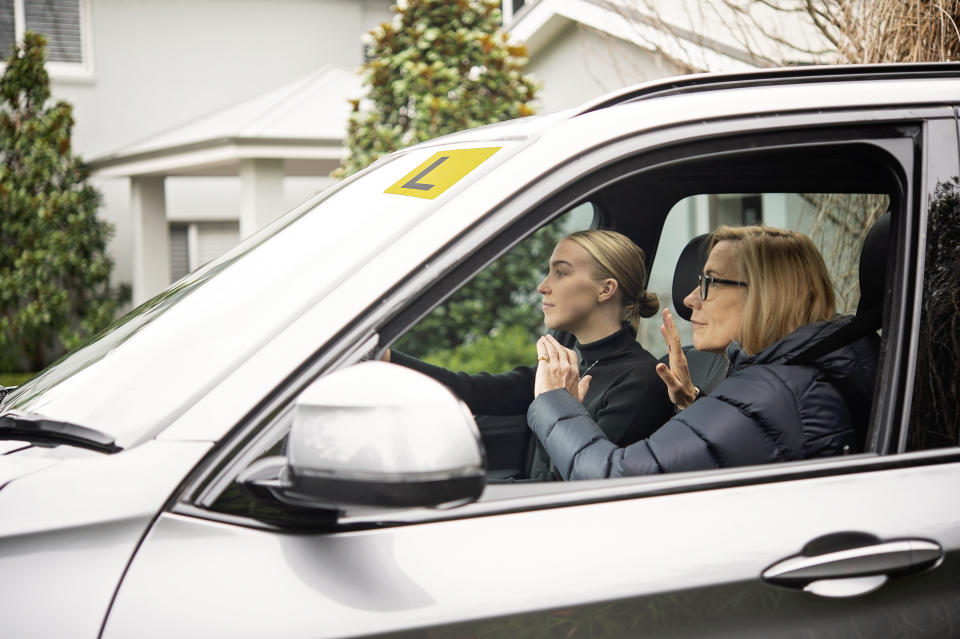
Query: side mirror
[{"x": 375, "y": 435}]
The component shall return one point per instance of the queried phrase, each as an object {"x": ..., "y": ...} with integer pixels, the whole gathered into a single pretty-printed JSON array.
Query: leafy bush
[{"x": 54, "y": 271}]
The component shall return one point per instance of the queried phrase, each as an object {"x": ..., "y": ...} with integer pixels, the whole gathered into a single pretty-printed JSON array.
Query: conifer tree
[{"x": 54, "y": 271}]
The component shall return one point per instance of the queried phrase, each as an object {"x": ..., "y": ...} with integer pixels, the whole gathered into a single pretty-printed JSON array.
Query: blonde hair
[
  {"x": 788, "y": 282},
  {"x": 617, "y": 257}
]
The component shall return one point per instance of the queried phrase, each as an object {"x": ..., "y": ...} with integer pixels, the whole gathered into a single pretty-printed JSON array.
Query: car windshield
[{"x": 157, "y": 361}]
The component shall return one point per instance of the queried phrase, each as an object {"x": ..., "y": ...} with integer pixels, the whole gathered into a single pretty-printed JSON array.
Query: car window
[
  {"x": 491, "y": 324},
  {"x": 837, "y": 223}
]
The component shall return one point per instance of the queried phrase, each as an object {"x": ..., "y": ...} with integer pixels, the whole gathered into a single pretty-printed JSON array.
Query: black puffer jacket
[{"x": 765, "y": 411}]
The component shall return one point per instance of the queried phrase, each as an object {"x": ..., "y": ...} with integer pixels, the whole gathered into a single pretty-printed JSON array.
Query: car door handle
[{"x": 880, "y": 559}]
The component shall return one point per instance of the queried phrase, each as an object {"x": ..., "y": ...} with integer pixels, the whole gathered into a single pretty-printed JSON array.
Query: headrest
[
  {"x": 873, "y": 264},
  {"x": 873, "y": 261},
  {"x": 689, "y": 266}
]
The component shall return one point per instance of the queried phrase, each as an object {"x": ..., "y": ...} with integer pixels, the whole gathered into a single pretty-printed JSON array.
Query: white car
[{"x": 225, "y": 463}]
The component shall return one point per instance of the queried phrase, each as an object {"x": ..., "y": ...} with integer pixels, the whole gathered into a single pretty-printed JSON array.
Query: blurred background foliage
[
  {"x": 441, "y": 66},
  {"x": 54, "y": 270}
]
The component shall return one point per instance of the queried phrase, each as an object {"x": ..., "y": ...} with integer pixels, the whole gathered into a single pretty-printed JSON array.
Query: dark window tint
[{"x": 935, "y": 413}]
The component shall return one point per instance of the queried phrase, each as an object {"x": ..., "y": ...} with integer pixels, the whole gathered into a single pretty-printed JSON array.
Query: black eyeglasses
[{"x": 707, "y": 280}]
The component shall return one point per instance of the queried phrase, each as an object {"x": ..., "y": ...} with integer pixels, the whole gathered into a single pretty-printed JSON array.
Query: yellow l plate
[{"x": 441, "y": 171}]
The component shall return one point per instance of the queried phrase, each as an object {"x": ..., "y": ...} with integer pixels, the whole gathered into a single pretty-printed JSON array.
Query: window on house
[
  {"x": 59, "y": 20},
  {"x": 8, "y": 30},
  {"x": 194, "y": 244},
  {"x": 510, "y": 8}
]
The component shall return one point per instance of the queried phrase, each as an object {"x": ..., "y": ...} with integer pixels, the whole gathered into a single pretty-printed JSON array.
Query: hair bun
[{"x": 646, "y": 305}]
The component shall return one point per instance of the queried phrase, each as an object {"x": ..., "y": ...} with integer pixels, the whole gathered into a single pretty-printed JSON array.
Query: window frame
[
  {"x": 61, "y": 71},
  {"x": 518, "y": 216}
]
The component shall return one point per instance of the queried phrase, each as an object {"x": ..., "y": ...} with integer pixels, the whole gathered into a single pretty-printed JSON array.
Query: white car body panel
[{"x": 425, "y": 575}]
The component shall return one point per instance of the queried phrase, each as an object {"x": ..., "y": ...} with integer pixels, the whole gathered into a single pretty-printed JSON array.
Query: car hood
[{"x": 17, "y": 461}]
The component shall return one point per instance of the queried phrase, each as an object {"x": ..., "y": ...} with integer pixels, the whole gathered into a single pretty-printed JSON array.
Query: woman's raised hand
[
  {"x": 677, "y": 376},
  {"x": 558, "y": 367}
]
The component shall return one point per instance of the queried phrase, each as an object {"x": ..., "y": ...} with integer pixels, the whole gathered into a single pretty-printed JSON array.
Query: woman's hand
[
  {"x": 558, "y": 367},
  {"x": 677, "y": 377}
]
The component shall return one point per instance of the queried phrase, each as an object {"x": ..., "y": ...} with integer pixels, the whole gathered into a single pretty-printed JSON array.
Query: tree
[
  {"x": 788, "y": 32},
  {"x": 438, "y": 67},
  {"x": 54, "y": 271}
]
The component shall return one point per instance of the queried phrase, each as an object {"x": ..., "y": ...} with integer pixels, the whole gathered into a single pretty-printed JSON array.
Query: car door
[{"x": 720, "y": 553}]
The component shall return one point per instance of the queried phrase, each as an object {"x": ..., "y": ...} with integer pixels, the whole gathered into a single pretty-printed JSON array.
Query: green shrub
[
  {"x": 500, "y": 351},
  {"x": 54, "y": 271}
]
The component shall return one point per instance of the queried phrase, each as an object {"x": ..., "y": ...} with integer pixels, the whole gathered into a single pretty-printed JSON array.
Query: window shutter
[
  {"x": 59, "y": 21},
  {"x": 8, "y": 30}
]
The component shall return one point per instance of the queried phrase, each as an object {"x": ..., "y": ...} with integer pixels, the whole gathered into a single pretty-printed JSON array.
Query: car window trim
[{"x": 600, "y": 491}]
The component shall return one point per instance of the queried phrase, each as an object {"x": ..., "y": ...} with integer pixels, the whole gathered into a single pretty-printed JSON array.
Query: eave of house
[{"x": 303, "y": 124}]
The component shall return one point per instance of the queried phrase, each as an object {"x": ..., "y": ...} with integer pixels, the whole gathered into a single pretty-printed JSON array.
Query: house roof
[{"x": 303, "y": 123}]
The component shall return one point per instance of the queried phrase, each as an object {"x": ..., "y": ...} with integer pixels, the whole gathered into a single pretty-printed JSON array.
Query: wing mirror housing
[{"x": 375, "y": 435}]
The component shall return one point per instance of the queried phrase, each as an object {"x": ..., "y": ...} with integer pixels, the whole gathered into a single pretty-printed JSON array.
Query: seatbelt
[{"x": 861, "y": 325}]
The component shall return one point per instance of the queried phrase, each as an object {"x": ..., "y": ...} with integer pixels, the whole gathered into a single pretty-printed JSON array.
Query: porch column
[
  {"x": 151, "y": 242},
  {"x": 261, "y": 193}
]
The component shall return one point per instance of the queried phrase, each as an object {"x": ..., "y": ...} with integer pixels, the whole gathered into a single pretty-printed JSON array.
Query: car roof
[
  {"x": 764, "y": 90},
  {"x": 770, "y": 77}
]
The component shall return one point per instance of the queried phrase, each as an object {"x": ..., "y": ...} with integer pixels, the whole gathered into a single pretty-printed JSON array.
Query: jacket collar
[{"x": 791, "y": 345}]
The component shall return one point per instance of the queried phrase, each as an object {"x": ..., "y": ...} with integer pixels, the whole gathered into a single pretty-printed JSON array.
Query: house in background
[
  {"x": 204, "y": 119},
  {"x": 193, "y": 113}
]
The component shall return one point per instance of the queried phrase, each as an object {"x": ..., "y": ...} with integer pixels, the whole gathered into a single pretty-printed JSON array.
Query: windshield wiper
[{"x": 41, "y": 430}]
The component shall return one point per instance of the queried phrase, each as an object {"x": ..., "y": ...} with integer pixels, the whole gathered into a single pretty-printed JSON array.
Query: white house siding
[
  {"x": 580, "y": 63},
  {"x": 160, "y": 63}
]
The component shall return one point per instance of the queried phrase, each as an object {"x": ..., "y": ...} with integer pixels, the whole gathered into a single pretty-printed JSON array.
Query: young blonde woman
[
  {"x": 764, "y": 297},
  {"x": 595, "y": 289}
]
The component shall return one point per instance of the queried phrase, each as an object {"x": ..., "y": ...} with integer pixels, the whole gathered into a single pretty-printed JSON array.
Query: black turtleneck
[{"x": 626, "y": 397}]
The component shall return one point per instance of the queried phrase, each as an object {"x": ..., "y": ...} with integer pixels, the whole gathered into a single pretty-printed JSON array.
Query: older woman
[{"x": 764, "y": 297}]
